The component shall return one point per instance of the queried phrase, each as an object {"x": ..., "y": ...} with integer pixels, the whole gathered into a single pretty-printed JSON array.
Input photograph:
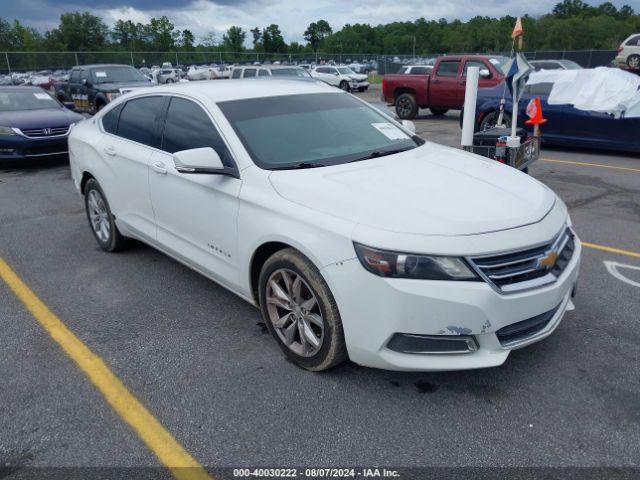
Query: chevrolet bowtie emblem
[{"x": 548, "y": 261}]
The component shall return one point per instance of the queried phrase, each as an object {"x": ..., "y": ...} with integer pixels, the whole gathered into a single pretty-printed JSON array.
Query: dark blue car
[
  {"x": 566, "y": 125},
  {"x": 33, "y": 124}
]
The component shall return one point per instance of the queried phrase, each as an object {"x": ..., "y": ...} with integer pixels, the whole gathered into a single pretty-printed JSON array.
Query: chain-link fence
[{"x": 27, "y": 61}]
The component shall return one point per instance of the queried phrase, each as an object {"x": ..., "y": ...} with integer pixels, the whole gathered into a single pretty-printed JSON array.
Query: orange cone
[{"x": 534, "y": 112}]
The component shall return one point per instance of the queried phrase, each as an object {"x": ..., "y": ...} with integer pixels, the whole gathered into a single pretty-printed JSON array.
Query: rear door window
[
  {"x": 634, "y": 41},
  {"x": 110, "y": 120},
  {"x": 139, "y": 120},
  {"x": 249, "y": 72},
  {"x": 449, "y": 68},
  {"x": 263, "y": 73},
  {"x": 237, "y": 72},
  {"x": 419, "y": 70}
]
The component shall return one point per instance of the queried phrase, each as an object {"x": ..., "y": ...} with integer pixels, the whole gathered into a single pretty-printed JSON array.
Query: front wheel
[
  {"x": 344, "y": 85},
  {"x": 300, "y": 311},
  {"x": 490, "y": 120},
  {"x": 101, "y": 220}
]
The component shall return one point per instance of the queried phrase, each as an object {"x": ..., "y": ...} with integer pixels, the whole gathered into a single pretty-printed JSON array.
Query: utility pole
[{"x": 414, "y": 45}]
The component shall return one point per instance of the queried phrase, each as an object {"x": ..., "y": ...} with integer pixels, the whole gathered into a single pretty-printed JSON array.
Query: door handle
[
  {"x": 110, "y": 151},
  {"x": 159, "y": 167}
]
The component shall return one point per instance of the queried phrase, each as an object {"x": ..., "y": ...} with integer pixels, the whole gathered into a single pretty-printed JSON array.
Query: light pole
[{"x": 414, "y": 46}]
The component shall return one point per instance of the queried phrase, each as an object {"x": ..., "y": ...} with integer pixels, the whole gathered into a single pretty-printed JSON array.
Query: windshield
[
  {"x": 346, "y": 71},
  {"x": 312, "y": 129},
  {"x": 118, "y": 74},
  {"x": 500, "y": 63},
  {"x": 289, "y": 72},
  {"x": 27, "y": 100}
]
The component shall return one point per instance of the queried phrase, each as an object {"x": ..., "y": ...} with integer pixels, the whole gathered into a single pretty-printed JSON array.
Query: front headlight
[
  {"x": 406, "y": 265},
  {"x": 6, "y": 131}
]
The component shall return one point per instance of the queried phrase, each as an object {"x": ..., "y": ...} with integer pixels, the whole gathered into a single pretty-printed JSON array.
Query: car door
[
  {"x": 444, "y": 88},
  {"x": 127, "y": 153},
  {"x": 196, "y": 214},
  {"x": 327, "y": 75},
  {"x": 78, "y": 96}
]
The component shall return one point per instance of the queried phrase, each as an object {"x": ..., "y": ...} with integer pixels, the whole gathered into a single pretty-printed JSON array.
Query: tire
[
  {"x": 406, "y": 106},
  {"x": 438, "y": 111},
  {"x": 344, "y": 85},
  {"x": 314, "y": 311},
  {"x": 633, "y": 61},
  {"x": 361, "y": 89},
  {"x": 101, "y": 220},
  {"x": 169, "y": 80},
  {"x": 491, "y": 118}
]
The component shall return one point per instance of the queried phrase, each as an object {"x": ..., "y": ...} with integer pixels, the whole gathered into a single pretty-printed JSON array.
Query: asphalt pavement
[{"x": 201, "y": 361}]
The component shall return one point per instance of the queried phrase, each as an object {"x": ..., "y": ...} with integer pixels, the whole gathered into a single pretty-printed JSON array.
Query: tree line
[{"x": 571, "y": 25}]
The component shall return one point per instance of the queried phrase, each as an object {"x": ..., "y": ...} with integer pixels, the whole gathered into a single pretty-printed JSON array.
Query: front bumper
[
  {"x": 17, "y": 147},
  {"x": 358, "y": 85},
  {"x": 374, "y": 309}
]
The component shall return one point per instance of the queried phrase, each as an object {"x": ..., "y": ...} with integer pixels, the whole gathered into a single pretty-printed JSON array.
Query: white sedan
[{"x": 355, "y": 238}]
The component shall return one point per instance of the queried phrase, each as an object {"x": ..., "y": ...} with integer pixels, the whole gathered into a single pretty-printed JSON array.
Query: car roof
[
  {"x": 100, "y": 65},
  {"x": 226, "y": 90},
  {"x": 18, "y": 88}
]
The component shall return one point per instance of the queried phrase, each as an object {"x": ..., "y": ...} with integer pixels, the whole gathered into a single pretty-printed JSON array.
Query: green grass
[{"x": 375, "y": 78}]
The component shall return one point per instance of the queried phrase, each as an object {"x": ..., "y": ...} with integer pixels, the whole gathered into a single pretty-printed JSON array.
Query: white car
[
  {"x": 629, "y": 52},
  {"x": 354, "y": 237},
  {"x": 342, "y": 77},
  {"x": 201, "y": 73}
]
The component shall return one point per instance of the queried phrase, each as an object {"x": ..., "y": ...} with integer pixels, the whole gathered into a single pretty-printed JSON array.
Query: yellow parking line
[
  {"x": 586, "y": 164},
  {"x": 611, "y": 249},
  {"x": 181, "y": 464}
]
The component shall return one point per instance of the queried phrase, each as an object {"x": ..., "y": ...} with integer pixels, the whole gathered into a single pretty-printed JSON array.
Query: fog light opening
[{"x": 432, "y": 344}]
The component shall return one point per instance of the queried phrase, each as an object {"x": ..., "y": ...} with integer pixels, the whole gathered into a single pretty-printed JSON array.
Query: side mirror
[
  {"x": 201, "y": 160},
  {"x": 409, "y": 125},
  {"x": 485, "y": 73}
]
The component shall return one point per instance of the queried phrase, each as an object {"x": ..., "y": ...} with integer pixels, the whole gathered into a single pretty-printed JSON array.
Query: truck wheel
[
  {"x": 633, "y": 61},
  {"x": 438, "y": 111},
  {"x": 490, "y": 120},
  {"x": 406, "y": 106},
  {"x": 344, "y": 85}
]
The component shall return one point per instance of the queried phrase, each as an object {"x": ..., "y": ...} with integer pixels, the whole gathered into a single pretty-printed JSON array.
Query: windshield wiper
[
  {"x": 300, "y": 166},
  {"x": 380, "y": 153}
]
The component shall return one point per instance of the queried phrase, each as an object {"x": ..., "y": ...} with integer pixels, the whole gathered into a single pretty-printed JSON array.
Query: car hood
[
  {"x": 49, "y": 117},
  {"x": 116, "y": 86},
  {"x": 430, "y": 190}
]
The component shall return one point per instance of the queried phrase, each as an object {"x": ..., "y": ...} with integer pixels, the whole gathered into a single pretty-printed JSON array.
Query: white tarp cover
[{"x": 602, "y": 89}]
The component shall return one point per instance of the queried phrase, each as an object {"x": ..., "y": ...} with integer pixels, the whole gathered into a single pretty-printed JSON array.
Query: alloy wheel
[
  {"x": 403, "y": 107},
  {"x": 99, "y": 216},
  {"x": 294, "y": 312}
]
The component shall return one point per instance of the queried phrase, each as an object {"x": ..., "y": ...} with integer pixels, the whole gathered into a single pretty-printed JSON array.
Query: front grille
[
  {"x": 529, "y": 268},
  {"x": 521, "y": 331},
  {"x": 45, "y": 132}
]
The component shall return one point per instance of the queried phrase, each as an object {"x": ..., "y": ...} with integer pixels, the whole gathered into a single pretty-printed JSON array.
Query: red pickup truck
[{"x": 444, "y": 88}]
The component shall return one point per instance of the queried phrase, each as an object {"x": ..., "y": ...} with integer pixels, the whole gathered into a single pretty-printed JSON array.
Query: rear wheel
[
  {"x": 633, "y": 61},
  {"x": 438, "y": 111},
  {"x": 490, "y": 120},
  {"x": 406, "y": 106},
  {"x": 101, "y": 220},
  {"x": 300, "y": 311}
]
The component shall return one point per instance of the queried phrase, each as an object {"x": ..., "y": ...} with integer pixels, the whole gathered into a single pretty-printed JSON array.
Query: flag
[
  {"x": 517, "y": 75},
  {"x": 517, "y": 30}
]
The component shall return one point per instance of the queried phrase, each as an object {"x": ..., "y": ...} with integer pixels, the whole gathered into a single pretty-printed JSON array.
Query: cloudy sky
[{"x": 293, "y": 16}]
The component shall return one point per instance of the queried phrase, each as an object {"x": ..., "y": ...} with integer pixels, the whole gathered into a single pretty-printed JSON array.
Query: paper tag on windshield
[
  {"x": 390, "y": 131},
  {"x": 42, "y": 96},
  {"x": 101, "y": 74}
]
